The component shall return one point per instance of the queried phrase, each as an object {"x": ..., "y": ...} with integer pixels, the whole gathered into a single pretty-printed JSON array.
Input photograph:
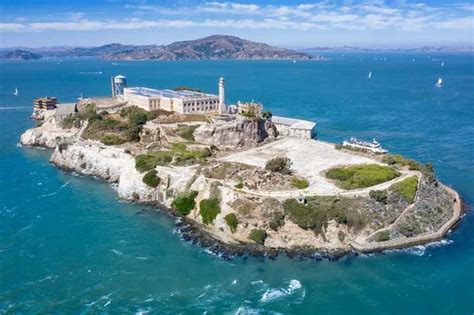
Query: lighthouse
[{"x": 221, "y": 96}]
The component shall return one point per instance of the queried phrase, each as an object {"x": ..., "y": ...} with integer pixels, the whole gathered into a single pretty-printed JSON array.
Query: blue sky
[{"x": 290, "y": 23}]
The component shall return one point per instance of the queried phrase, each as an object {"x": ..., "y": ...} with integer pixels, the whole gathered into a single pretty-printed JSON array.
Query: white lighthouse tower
[{"x": 221, "y": 96}]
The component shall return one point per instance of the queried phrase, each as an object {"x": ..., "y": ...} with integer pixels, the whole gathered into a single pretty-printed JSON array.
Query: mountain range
[{"x": 207, "y": 48}]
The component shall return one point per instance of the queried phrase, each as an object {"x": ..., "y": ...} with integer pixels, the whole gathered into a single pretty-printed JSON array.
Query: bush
[
  {"x": 151, "y": 179},
  {"x": 280, "y": 165},
  {"x": 70, "y": 121},
  {"x": 361, "y": 176},
  {"x": 398, "y": 159},
  {"x": 209, "y": 209},
  {"x": 186, "y": 88},
  {"x": 89, "y": 113},
  {"x": 232, "y": 221},
  {"x": 147, "y": 162},
  {"x": 132, "y": 133},
  {"x": 184, "y": 202},
  {"x": 299, "y": 183},
  {"x": 267, "y": 115},
  {"x": 382, "y": 236},
  {"x": 239, "y": 185},
  {"x": 406, "y": 188},
  {"x": 111, "y": 139},
  {"x": 319, "y": 210},
  {"x": 379, "y": 195},
  {"x": 258, "y": 236},
  {"x": 186, "y": 132},
  {"x": 277, "y": 221}
]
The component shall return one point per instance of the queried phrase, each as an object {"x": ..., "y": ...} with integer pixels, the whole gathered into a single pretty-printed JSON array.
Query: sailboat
[
  {"x": 439, "y": 83},
  {"x": 442, "y": 64},
  {"x": 294, "y": 61},
  {"x": 16, "y": 92},
  {"x": 370, "y": 75}
]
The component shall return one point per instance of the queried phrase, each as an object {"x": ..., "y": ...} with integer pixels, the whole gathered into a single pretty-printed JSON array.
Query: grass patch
[
  {"x": 186, "y": 131},
  {"x": 151, "y": 179},
  {"x": 209, "y": 209},
  {"x": 361, "y": 176},
  {"x": 232, "y": 221},
  {"x": 406, "y": 188},
  {"x": 299, "y": 183},
  {"x": 111, "y": 139},
  {"x": 397, "y": 159},
  {"x": 319, "y": 210},
  {"x": 382, "y": 236},
  {"x": 177, "y": 155},
  {"x": 185, "y": 202},
  {"x": 258, "y": 236},
  {"x": 239, "y": 185},
  {"x": 379, "y": 195}
]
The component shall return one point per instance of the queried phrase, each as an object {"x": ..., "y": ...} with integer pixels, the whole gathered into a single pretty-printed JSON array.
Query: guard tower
[
  {"x": 221, "y": 96},
  {"x": 118, "y": 83}
]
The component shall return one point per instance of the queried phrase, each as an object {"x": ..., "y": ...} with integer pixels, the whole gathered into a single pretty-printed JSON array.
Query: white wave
[
  {"x": 117, "y": 252},
  {"x": 244, "y": 310},
  {"x": 25, "y": 228},
  {"x": 234, "y": 282},
  {"x": 420, "y": 250},
  {"x": 54, "y": 193},
  {"x": 256, "y": 282},
  {"x": 142, "y": 258},
  {"x": 143, "y": 311},
  {"x": 273, "y": 294},
  {"x": 90, "y": 72}
]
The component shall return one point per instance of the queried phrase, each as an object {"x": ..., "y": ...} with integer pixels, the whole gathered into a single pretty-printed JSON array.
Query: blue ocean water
[{"x": 67, "y": 245}]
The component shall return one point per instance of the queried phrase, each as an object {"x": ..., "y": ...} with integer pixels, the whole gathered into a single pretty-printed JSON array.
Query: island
[{"x": 242, "y": 180}]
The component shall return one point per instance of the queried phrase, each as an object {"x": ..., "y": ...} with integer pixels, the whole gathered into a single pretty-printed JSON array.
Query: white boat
[
  {"x": 442, "y": 64},
  {"x": 16, "y": 92},
  {"x": 373, "y": 145},
  {"x": 370, "y": 75},
  {"x": 439, "y": 83},
  {"x": 294, "y": 61}
]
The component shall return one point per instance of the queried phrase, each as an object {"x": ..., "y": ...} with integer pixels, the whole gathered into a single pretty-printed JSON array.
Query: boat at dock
[{"x": 372, "y": 146}]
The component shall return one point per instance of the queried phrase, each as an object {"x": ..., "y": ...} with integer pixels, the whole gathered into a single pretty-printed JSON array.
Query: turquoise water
[{"x": 67, "y": 245}]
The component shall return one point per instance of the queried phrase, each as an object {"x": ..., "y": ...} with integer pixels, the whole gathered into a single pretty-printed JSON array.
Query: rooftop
[
  {"x": 181, "y": 94},
  {"x": 293, "y": 123}
]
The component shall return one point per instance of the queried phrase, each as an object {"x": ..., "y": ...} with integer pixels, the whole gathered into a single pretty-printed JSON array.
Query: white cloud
[{"x": 323, "y": 15}]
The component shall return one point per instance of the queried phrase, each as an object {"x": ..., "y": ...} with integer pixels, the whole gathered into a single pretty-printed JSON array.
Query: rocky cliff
[{"x": 238, "y": 134}]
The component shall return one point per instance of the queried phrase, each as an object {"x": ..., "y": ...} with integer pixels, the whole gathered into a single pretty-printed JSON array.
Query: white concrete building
[
  {"x": 294, "y": 127},
  {"x": 182, "y": 101}
]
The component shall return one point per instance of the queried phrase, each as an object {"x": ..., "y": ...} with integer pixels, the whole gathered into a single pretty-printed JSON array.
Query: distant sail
[
  {"x": 294, "y": 61},
  {"x": 370, "y": 75},
  {"x": 439, "y": 83},
  {"x": 16, "y": 92},
  {"x": 442, "y": 64}
]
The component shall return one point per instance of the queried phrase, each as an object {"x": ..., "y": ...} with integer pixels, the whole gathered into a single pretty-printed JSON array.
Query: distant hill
[
  {"x": 19, "y": 54},
  {"x": 207, "y": 48},
  {"x": 351, "y": 49}
]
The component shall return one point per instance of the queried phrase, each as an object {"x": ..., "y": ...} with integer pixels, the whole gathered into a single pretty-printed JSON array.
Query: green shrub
[
  {"x": 69, "y": 121},
  {"x": 277, "y": 221},
  {"x": 111, "y": 139},
  {"x": 319, "y": 210},
  {"x": 258, "y": 236},
  {"x": 280, "y": 165},
  {"x": 147, "y": 162},
  {"x": 209, "y": 209},
  {"x": 267, "y": 115},
  {"x": 232, "y": 221},
  {"x": 186, "y": 131},
  {"x": 379, "y": 195},
  {"x": 186, "y": 88},
  {"x": 239, "y": 185},
  {"x": 406, "y": 188},
  {"x": 361, "y": 176},
  {"x": 398, "y": 159},
  {"x": 185, "y": 202},
  {"x": 151, "y": 179},
  {"x": 132, "y": 133},
  {"x": 299, "y": 183},
  {"x": 89, "y": 113},
  {"x": 382, "y": 236}
]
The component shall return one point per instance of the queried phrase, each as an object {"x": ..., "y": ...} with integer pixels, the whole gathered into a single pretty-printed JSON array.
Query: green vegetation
[
  {"x": 239, "y": 185},
  {"x": 382, "y": 236},
  {"x": 186, "y": 131},
  {"x": 70, "y": 121},
  {"x": 379, "y": 195},
  {"x": 397, "y": 159},
  {"x": 232, "y": 222},
  {"x": 258, "y": 236},
  {"x": 178, "y": 155},
  {"x": 279, "y": 165},
  {"x": 209, "y": 209},
  {"x": 249, "y": 114},
  {"x": 299, "y": 183},
  {"x": 319, "y": 210},
  {"x": 151, "y": 179},
  {"x": 185, "y": 202},
  {"x": 111, "y": 139},
  {"x": 361, "y": 176},
  {"x": 277, "y": 221},
  {"x": 267, "y": 115},
  {"x": 406, "y": 188},
  {"x": 187, "y": 88}
]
